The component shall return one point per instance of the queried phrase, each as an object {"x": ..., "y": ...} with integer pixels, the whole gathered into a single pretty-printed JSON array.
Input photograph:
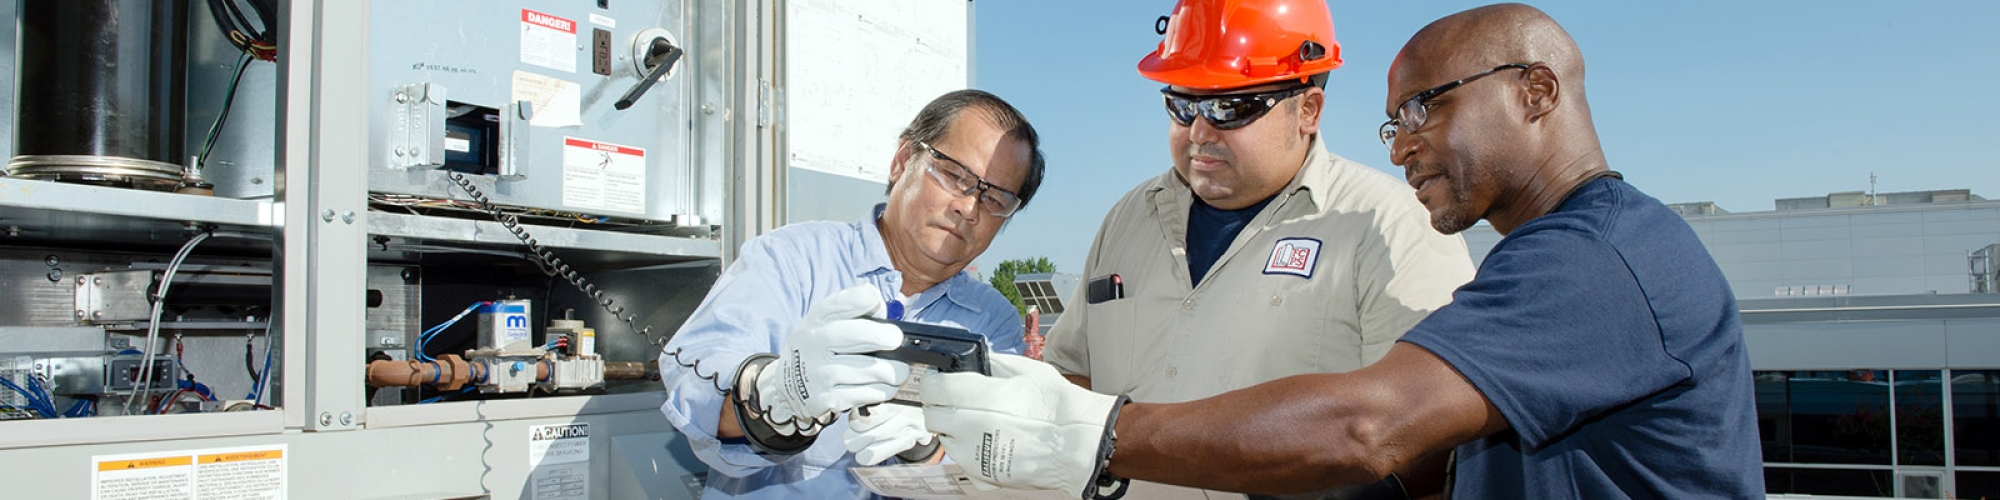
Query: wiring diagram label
[
  {"x": 247, "y": 473},
  {"x": 559, "y": 461},
  {"x": 548, "y": 41},
  {"x": 603, "y": 176}
]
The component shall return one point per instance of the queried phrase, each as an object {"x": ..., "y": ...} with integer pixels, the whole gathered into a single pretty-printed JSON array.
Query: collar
[
  {"x": 871, "y": 260},
  {"x": 1317, "y": 176},
  {"x": 872, "y": 257}
]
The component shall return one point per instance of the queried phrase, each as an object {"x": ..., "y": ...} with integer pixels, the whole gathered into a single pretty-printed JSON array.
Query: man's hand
[
  {"x": 885, "y": 431},
  {"x": 824, "y": 367},
  {"x": 1025, "y": 427}
]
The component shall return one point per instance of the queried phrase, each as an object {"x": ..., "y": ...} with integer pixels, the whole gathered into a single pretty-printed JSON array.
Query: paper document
[{"x": 940, "y": 482}]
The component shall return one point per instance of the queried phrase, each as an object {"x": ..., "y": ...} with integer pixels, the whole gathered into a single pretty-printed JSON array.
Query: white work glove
[
  {"x": 885, "y": 431},
  {"x": 1025, "y": 427},
  {"x": 825, "y": 368}
]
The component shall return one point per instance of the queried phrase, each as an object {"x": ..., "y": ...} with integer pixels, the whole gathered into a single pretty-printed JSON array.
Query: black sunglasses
[
  {"x": 1417, "y": 108},
  {"x": 1225, "y": 111}
]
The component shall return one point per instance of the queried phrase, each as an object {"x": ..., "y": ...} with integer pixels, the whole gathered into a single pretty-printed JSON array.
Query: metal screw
[
  {"x": 97, "y": 281},
  {"x": 326, "y": 419},
  {"x": 327, "y": 215},
  {"x": 402, "y": 98},
  {"x": 347, "y": 217},
  {"x": 97, "y": 314},
  {"x": 55, "y": 275},
  {"x": 346, "y": 418},
  {"x": 79, "y": 314},
  {"x": 389, "y": 342},
  {"x": 51, "y": 260},
  {"x": 400, "y": 151}
]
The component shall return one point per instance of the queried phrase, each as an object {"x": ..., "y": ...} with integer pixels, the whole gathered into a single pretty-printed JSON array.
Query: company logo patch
[{"x": 1296, "y": 256}]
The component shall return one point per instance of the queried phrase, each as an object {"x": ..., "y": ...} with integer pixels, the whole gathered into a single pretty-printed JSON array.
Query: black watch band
[
  {"x": 763, "y": 437},
  {"x": 1101, "y": 477}
]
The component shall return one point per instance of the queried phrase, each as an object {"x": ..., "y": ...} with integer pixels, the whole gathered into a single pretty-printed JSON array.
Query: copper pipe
[
  {"x": 448, "y": 373},
  {"x": 631, "y": 370}
]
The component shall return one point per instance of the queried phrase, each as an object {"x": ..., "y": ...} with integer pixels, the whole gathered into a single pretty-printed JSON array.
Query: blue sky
[{"x": 1739, "y": 102}]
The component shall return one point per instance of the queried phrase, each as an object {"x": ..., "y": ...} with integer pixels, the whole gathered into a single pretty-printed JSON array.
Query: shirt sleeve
[
  {"x": 1554, "y": 332},
  {"x": 1405, "y": 273},
  {"x": 1003, "y": 328},
  {"x": 750, "y": 310}
]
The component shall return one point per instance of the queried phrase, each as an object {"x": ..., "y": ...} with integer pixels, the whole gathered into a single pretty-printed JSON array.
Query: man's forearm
[
  {"x": 1307, "y": 432},
  {"x": 1252, "y": 441}
]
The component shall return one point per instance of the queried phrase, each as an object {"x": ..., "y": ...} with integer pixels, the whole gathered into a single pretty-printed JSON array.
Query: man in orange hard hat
[
  {"x": 1598, "y": 354},
  {"x": 1259, "y": 255}
]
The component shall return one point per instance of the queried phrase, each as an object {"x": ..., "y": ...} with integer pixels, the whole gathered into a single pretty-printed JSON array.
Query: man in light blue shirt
[{"x": 780, "y": 354}]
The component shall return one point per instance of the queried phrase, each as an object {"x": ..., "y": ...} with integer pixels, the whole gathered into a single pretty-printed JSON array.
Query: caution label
[
  {"x": 559, "y": 461},
  {"x": 603, "y": 176},
  {"x": 548, "y": 41},
  {"x": 253, "y": 473}
]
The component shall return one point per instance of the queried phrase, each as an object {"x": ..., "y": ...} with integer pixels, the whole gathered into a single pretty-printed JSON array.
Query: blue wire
[
  {"x": 424, "y": 339},
  {"x": 80, "y": 409},
  {"x": 256, "y": 395},
  {"x": 35, "y": 402}
]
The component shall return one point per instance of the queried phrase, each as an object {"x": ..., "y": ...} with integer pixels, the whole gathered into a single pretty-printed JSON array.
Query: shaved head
[
  {"x": 1483, "y": 37},
  {"x": 1503, "y": 131}
]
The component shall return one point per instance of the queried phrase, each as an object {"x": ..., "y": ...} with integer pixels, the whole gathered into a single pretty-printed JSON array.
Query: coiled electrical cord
[{"x": 555, "y": 266}]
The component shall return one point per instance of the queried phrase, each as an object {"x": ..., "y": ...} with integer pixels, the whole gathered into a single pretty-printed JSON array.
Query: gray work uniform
[{"x": 1323, "y": 280}]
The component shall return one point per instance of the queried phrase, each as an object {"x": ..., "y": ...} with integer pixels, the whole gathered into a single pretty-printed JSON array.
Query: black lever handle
[{"x": 668, "y": 57}]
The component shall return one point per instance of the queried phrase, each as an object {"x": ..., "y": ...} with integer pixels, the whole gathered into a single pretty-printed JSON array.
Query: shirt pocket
[{"x": 1117, "y": 338}]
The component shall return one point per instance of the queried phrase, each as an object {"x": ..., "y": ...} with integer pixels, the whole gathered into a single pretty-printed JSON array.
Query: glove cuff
[
  {"x": 921, "y": 453},
  {"x": 1101, "y": 475},
  {"x": 764, "y": 437}
]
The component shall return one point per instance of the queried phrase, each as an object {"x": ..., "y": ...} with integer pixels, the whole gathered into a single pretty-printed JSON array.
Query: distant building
[{"x": 1874, "y": 327}]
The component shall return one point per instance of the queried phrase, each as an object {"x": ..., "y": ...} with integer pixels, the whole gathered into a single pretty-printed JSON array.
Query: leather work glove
[
  {"x": 885, "y": 431},
  {"x": 825, "y": 368},
  {"x": 1025, "y": 427}
]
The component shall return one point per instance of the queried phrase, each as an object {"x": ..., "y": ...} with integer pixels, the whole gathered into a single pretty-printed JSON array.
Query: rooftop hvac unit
[{"x": 1984, "y": 265}]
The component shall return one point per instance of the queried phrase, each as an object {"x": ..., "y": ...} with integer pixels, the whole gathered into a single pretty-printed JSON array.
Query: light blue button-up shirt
[{"x": 754, "y": 306}]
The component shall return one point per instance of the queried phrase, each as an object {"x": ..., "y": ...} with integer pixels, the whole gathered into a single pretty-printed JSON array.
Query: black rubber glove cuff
[
  {"x": 1103, "y": 477},
  {"x": 764, "y": 438}
]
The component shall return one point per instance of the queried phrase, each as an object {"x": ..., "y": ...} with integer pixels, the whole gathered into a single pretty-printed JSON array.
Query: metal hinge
[{"x": 763, "y": 104}]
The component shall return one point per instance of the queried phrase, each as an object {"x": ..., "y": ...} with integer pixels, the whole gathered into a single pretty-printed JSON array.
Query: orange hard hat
[{"x": 1223, "y": 44}]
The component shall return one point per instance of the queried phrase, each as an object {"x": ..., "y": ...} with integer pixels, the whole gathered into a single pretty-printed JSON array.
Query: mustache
[
  {"x": 1212, "y": 150},
  {"x": 1415, "y": 169}
]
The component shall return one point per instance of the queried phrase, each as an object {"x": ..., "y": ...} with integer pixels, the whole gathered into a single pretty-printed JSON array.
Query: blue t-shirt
[
  {"x": 1608, "y": 338},
  {"x": 1211, "y": 230}
]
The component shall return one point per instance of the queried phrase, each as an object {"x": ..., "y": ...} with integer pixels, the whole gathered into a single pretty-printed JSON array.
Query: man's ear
[
  {"x": 1544, "y": 91},
  {"x": 1309, "y": 108},
  {"x": 904, "y": 148}
]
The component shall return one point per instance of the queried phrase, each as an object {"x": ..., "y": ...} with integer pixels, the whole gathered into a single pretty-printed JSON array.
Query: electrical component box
[
  {"x": 97, "y": 375},
  {"x": 503, "y": 325}
]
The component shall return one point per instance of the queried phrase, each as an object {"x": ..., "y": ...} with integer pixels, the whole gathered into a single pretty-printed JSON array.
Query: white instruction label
[
  {"x": 250, "y": 473},
  {"x": 548, "y": 41},
  {"x": 559, "y": 461},
  {"x": 940, "y": 482},
  {"x": 557, "y": 102},
  {"x": 604, "y": 176}
]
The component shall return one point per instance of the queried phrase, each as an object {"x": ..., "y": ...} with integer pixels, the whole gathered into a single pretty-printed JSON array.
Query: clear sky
[{"x": 1736, "y": 102}]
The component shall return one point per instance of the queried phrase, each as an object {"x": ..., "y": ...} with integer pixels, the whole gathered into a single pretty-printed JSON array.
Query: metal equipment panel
[{"x": 510, "y": 91}]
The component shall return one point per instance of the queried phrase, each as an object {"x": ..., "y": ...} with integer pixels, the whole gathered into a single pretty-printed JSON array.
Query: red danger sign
[{"x": 548, "y": 21}]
